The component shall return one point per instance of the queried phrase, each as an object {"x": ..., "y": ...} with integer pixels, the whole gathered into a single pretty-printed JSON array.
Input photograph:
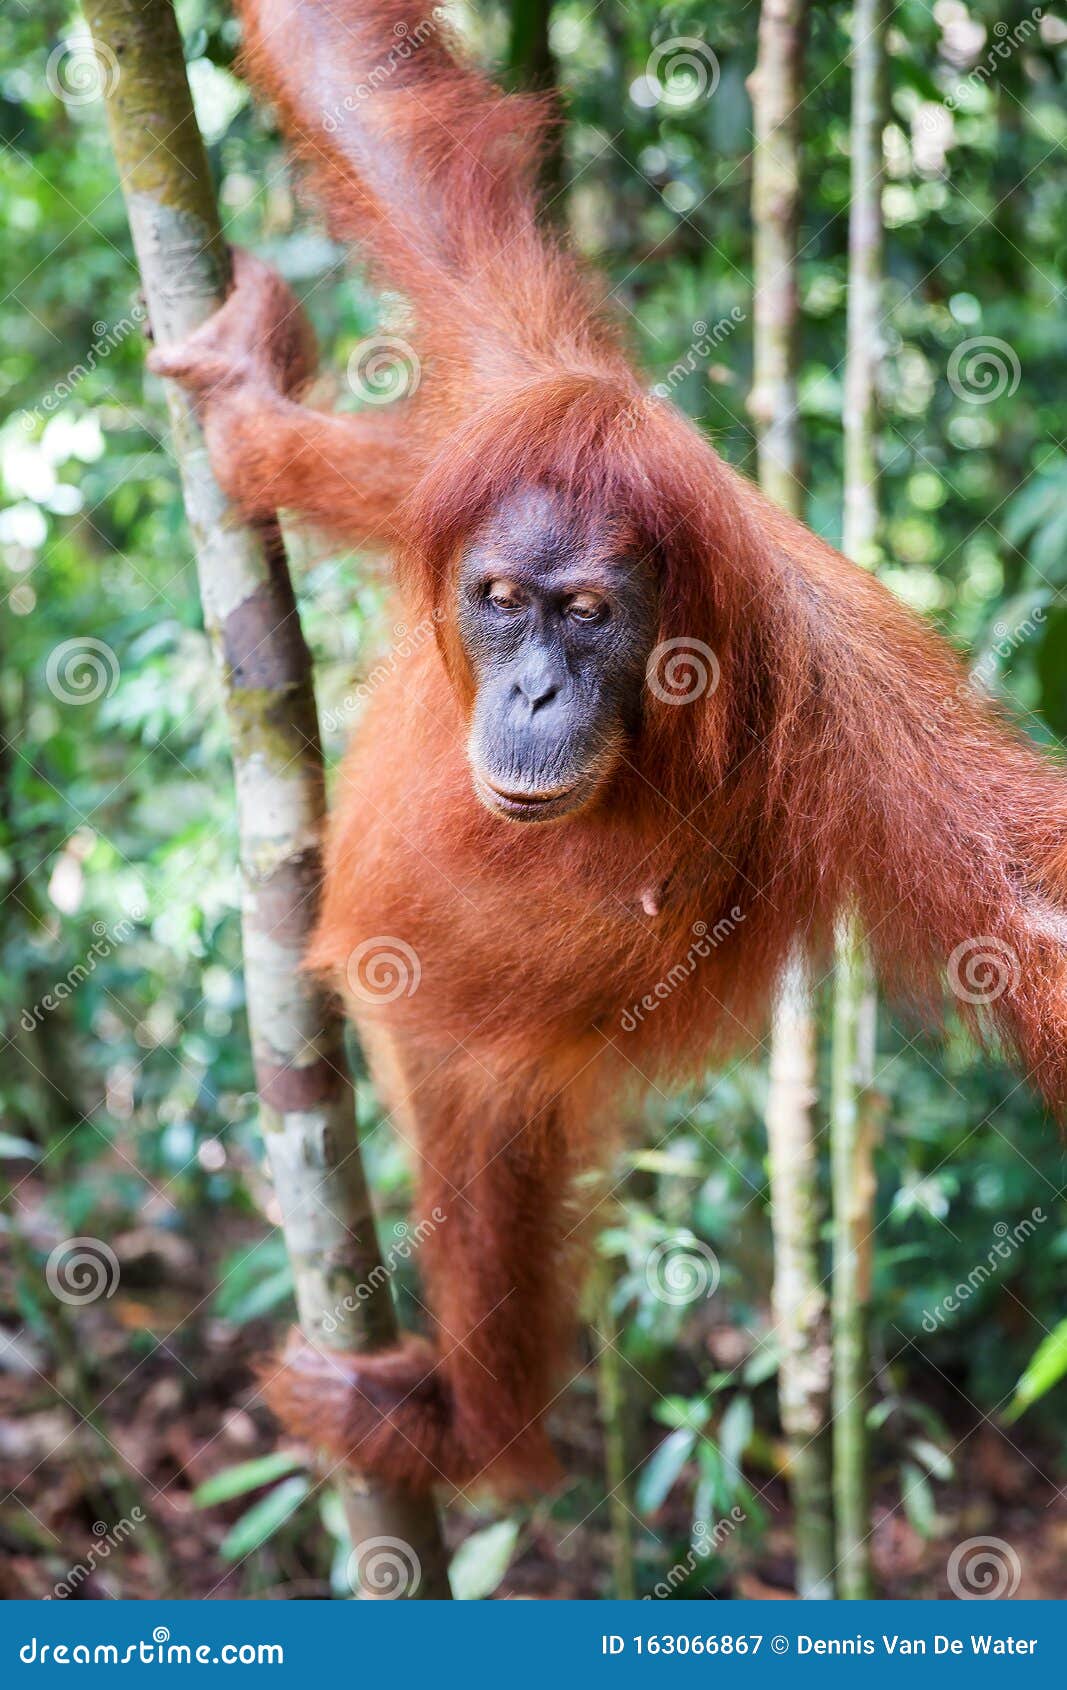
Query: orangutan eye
[
  {"x": 587, "y": 607},
  {"x": 505, "y": 595}
]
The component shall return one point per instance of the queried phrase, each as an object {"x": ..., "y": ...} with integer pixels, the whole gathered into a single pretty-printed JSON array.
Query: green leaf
[
  {"x": 481, "y": 1561},
  {"x": 264, "y": 1518},
  {"x": 263, "y": 1298},
  {"x": 13, "y": 1149},
  {"x": 661, "y": 1470},
  {"x": 936, "y": 1461},
  {"x": 1046, "y": 1368},
  {"x": 735, "y": 1430},
  {"x": 665, "y": 1162},
  {"x": 245, "y": 1476},
  {"x": 691, "y": 1412},
  {"x": 918, "y": 1499},
  {"x": 762, "y": 1364},
  {"x": 332, "y": 1515}
]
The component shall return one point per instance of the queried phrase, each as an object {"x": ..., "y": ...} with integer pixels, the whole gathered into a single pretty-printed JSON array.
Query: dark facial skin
[{"x": 557, "y": 619}]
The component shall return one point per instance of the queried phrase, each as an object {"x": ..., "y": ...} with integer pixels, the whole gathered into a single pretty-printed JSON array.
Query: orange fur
[{"x": 843, "y": 755}]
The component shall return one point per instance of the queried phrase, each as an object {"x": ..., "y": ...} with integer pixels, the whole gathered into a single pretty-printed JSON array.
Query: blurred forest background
[{"x": 134, "y": 1447}]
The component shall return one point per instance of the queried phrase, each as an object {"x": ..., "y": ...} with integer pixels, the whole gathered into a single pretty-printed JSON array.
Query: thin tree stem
[
  {"x": 264, "y": 671},
  {"x": 800, "y": 1307},
  {"x": 852, "y": 1103},
  {"x": 800, "y": 1304},
  {"x": 612, "y": 1406},
  {"x": 852, "y": 1128}
]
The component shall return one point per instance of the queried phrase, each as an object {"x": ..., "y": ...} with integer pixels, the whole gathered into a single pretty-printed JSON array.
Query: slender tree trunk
[
  {"x": 306, "y": 1102},
  {"x": 852, "y": 1127},
  {"x": 611, "y": 1403},
  {"x": 852, "y": 1104},
  {"x": 775, "y": 88},
  {"x": 531, "y": 65},
  {"x": 800, "y": 1306}
]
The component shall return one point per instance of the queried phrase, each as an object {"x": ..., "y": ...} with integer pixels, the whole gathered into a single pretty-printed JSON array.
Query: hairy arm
[
  {"x": 344, "y": 473},
  {"x": 908, "y": 792}
]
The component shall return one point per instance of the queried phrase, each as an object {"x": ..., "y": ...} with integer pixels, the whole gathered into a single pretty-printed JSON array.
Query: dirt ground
[{"x": 172, "y": 1400}]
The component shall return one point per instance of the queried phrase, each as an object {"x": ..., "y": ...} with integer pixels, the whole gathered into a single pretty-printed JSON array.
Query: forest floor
[{"x": 174, "y": 1403}]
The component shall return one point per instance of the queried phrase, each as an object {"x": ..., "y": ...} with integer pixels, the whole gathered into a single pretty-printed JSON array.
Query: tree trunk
[
  {"x": 800, "y": 1305},
  {"x": 852, "y": 1128},
  {"x": 853, "y": 1105},
  {"x": 306, "y": 1101},
  {"x": 611, "y": 1404},
  {"x": 775, "y": 89},
  {"x": 531, "y": 66}
]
